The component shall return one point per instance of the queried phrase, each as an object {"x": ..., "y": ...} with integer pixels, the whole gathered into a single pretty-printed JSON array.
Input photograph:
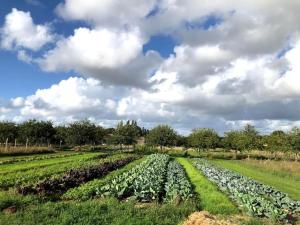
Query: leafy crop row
[
  {"x": 23, "y": 166},
  {"x": 35, "y": 158},
  {"x": 88, "y": 190},
  {"x": 259, "y": 199},
  {"x": 34, "y": 175},
  {"x": 144, "y": 182},
  {"x": 73, "y": 178},
  {"x": 177, "y": 185}
]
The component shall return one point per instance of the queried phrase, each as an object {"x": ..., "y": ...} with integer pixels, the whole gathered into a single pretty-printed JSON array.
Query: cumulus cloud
[
  {"x": 106, "y": 13},
  {"x": 110, "y": 56},
  {"x": 19, "y": 31},
  {"x": 234, "y": 62}
]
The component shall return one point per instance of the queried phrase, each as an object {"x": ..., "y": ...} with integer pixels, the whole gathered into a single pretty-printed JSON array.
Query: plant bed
[
  {"x": 73, "y": 178},
  {"x": 258, "y": 199}
]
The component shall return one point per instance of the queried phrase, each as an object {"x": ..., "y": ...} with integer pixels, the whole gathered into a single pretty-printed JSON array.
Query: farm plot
[
  {"x": 73, "y": 178},
  {"x": 33, "y": 175},
  {"x": 156, "y": 178},
  {"x": 258, "y": 199},
  {"x": 15, "y": 159}
]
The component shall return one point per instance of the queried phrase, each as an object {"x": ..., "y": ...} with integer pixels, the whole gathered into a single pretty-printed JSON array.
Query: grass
[
  {"x": 104, "y": 212},
  {"x": 279, "y": 168},
  {"x": 287, "y": 184},
  {"x": 211, "y": 199},
  {"x": 22, "y": 150}
]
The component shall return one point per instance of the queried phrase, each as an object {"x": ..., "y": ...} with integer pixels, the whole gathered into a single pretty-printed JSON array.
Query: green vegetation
[
  {"x": 161, "y": 135},
  {"x": 210, "y": 198},
  {"x": 88, "y": 190},
  {"x": 258, "y": 199},
  {"x": 144, "y": 182},
  {"x": 104, "y": 212},
  {"x": 22, "y": 166},
  {"x": 204, "y": 139},
  {"x": 177, "y": 186},
  {"x": 35, "y": 174},
  {"x": 28, "y": 158},
  {"x": 289, "y": 184}
]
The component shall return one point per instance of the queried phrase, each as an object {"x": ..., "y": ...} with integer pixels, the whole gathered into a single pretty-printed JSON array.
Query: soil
[{"x": 204, "y": 218}]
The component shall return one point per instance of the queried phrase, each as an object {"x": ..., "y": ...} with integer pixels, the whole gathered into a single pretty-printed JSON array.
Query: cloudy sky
[{"x": 187, "y": 63}]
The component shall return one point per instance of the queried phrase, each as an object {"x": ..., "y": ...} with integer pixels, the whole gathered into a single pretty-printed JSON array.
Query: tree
[
  {"x": 126, "y": 134},
  {"x": 161, "y": 135},
  {"x": 61, "y": 135},
  {"x": 37, "y": 132},
  {"x": 294, "y": 138},
  {"x": 235, "y": 140},
  {"x": 182, "y": 141},
  {"x": 203, "y": 138},
  {"x": 8, "y": 131},
  {"x": 81, "y": 132},
  {"x": 277, "y": 140},
  {"x": 252, "y": 138}
]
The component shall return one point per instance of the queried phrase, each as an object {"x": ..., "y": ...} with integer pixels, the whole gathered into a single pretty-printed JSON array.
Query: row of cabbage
[
  {"x": 258, "y": 199},
  {"x": 156, "y": 178},
  {"x": 177, "y": 185}
]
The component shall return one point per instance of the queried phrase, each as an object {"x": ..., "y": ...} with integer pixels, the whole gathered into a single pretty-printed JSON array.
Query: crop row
[
  {"x": 144, "y": 182},
  {"x": 177, "y": 185},
  {"x": 73, "y": 178},
  {"x": 34, "y": 175},
  {"x": 10, "y": 160},
  {"x": 88, "y": 190},
  {"x": 259, "y": 199},
  {"x": 157, "y": 178},
  {"x": 23, "y": 166}
]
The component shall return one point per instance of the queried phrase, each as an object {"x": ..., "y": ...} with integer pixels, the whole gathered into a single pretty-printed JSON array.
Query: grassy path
[
  {"x": 212, "y": 200},
  {"x": 284, "y": 184}
]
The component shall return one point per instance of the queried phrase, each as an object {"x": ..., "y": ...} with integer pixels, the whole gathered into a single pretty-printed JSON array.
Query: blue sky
[
  {"x": 215, "y": 64},
  {"x": 22, "y": 79}
]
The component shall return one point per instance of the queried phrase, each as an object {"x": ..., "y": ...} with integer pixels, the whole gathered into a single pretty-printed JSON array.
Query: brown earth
[{"x": 204, "y": 218}]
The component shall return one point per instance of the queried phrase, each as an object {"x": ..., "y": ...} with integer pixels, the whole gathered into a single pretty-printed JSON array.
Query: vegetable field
[
  {"x": 126, "y": 188},
  {"x": 258, "y": 199}
]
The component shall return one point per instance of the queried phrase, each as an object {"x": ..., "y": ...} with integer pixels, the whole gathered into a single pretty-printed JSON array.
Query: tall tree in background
[
  {"x": 81, "y": 132},
  {"x": 126, "y": 133},
  {"x": 36, "y": 132},
  {"x": 294, "y": 138},
  {"x": 8, "y": 131},
  {"x": 161, "y": 135},
  {"x": 204, "y": 138}
]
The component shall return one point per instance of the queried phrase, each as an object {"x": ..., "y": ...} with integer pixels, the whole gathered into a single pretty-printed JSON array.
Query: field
[{"x": 128, "y": 188}]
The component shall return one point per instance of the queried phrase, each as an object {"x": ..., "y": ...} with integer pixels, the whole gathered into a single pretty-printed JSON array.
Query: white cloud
[
  {"x": 221, "y": 77},
  {"x": 106, "y": 13},
  {"x": 19, "y": 31},
  {"x": 110, "y": 56},
  {"x": 87, "y": 48}
]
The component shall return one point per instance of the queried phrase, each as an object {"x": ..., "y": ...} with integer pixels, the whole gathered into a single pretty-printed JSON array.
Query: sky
[{"x": 186, "y": 63}]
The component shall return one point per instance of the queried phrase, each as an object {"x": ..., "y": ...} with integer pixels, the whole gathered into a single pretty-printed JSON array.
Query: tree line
[{"x": 84, "y": 132}]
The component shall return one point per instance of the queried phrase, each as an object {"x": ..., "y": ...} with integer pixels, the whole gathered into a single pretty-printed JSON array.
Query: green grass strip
[
  {"x": 284, "y": 184},
  {"x": 211, "y": 199},
  {"x": 87, "y": 190}
]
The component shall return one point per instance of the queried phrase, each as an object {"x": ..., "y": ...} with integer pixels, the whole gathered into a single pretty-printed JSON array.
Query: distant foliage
[
  {"x": 204, "y": 139},
  {"x": 161, "y": 135}
]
